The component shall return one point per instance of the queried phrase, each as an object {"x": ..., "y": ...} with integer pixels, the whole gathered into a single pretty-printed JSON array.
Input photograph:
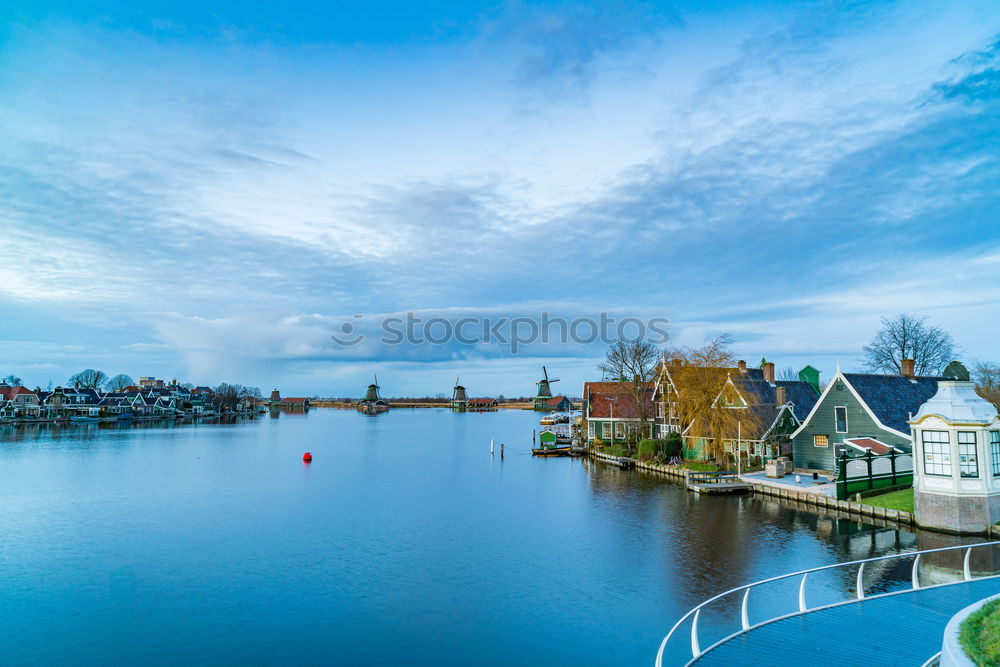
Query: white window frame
[
  {"x": 995, "y": 452},
  {"x": 619, "y": 429},
  {"x": 606, "y": 429},
  {"x": 944, "y": 463},
  {"x": 836, "y": 421},
  {"x": 968, "y": 468},
  {"x": 590, "y": 430},
  {"x": 816, "y": 437}
]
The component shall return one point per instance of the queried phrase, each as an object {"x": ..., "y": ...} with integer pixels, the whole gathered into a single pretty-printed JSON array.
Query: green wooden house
[{"x": 860, "y": 412}]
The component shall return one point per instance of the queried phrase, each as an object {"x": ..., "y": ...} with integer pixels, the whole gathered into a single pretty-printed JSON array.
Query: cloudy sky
[{"x": 208, "y": 191}]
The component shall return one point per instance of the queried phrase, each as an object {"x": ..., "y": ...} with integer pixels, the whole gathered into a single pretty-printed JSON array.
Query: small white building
[{"x": 956, "y": 454}]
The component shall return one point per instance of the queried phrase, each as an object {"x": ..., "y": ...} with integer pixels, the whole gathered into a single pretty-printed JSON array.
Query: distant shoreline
[{"x": 526, "y": 405}]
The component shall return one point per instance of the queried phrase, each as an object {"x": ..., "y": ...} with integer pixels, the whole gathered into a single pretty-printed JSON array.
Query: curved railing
[{"x": 745, "y": 625}]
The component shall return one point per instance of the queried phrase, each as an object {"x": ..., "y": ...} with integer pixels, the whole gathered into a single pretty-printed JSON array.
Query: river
[{"x": 404, "y": 541}]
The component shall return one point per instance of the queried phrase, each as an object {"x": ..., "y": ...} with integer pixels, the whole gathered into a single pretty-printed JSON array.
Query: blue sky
[{"x": 209, "y": 190}]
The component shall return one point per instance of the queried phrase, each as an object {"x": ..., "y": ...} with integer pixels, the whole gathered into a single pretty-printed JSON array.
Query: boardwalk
[{"x": 901, "y": 629}]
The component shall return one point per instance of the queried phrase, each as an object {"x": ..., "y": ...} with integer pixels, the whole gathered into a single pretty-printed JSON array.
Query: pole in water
[
  {"x": 501, "y": 450},
  {"x": 491, "y": 445}
]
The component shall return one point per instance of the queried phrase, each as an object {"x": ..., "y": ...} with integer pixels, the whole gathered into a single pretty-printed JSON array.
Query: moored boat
[{"x": 559, "y": 450}]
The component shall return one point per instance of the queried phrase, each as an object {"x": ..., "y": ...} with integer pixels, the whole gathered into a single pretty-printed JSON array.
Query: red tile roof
[
  {"x": 871, "y": 444},
  {"x": 8, "y": 393},
  {"x": 601, "y": 395},
  {"x": 294, "y": 400}
]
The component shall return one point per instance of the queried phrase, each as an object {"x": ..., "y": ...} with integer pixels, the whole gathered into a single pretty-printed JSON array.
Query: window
[
  {"x": 995, "y": 452},
  {"x": 619, "y": 430},
  {"x": 821, "y": 441},
  {"x": 937, "y": 453},
  {"x": 605, "y": 429},
  {"x": 968, "y": 464},
  {"x": 590, "y": 430},
  {"x": 661, "y": 410},
  {"x": 840, "y": 416}
]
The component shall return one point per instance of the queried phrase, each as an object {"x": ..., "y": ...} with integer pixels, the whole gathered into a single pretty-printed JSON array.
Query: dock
[{"x": 716, "y": 482}]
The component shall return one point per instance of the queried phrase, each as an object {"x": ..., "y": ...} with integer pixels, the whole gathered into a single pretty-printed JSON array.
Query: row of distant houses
[
  {"x": 853, "y": 413},
  {"x": 157, "y": 399}
]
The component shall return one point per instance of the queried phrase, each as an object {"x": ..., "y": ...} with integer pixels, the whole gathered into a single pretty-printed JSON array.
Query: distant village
[{"x": 91, "y": 397}]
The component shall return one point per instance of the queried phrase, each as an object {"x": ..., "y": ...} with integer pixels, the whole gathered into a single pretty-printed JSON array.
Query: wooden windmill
[
  {"x": 372, "y": 400},
  {"x": 459, "y": 399},
  {"x": 544, "y": 390}
]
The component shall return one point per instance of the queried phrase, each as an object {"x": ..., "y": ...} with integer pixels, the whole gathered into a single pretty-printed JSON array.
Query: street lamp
[{"x": 612, "y": 402}]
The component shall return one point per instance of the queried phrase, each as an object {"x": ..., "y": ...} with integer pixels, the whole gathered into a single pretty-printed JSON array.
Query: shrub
[
  {"x": 673, "y": 445},
  {"x": 648, "y": 449}
]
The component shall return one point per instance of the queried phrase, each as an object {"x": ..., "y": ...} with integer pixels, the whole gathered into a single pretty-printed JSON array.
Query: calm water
[{"x": 404, "y": 541}]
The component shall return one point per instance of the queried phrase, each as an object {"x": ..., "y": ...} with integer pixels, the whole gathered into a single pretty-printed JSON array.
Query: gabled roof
[
  {"x": 8, "y": 392},
  {"x": 761, "y": 397},
  {"x": 801, "y": 395},
  {"x": 893, "y": 398},
  {"x": 554, "y": 401},
  {"x": 295, "y": 400},
  {"x": 599, "y": 397},
  {"x": 871, "y": 444}
]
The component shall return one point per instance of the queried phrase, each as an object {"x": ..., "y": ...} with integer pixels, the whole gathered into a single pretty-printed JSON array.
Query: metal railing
[{"x": 803, "y": 607}]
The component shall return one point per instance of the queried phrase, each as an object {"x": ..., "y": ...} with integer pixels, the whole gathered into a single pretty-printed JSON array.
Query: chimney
[
  {"x": 742, "y": 366},
  {"x": 907, "y": 368},
  {"x": 768, "y": 369},
  {"x": 779, "y": 396}
]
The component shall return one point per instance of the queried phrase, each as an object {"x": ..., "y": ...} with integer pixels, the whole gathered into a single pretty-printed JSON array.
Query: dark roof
[
  {"x": 893, "y": 398},
  {"x": 761, "y": 397},
  {"x": 554, "y": 401},
  {"x": 802, "y": 396}
]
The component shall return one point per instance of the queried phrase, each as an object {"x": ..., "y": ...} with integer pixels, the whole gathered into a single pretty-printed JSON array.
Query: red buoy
[{"x": 307, "y": 457}]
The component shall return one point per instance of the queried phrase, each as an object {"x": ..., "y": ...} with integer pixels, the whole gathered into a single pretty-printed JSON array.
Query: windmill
[
  {"x": 544, "y": 389},
  {"x": 459, "y": 399},
  {"x": 372, "y": 398}
]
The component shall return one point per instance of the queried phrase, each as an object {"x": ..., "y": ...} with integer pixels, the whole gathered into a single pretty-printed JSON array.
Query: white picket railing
[{"x": 803, "y": 607}]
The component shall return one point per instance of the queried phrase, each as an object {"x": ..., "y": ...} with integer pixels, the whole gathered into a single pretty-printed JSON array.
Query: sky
[{"x": 209, "y": 191}]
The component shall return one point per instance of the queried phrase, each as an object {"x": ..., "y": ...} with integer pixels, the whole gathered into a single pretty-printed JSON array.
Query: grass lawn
[
  {"x": 894, "y": 500},
  {"x": 699, "y": 466},
  {"x": 980, "y": 635}
]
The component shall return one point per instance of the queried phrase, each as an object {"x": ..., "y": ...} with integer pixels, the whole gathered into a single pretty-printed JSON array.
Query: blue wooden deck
[{"x": 904, "y": 629}]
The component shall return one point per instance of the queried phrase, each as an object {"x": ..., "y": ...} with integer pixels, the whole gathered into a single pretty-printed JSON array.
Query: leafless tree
[
  {"x": 12, "y": 380},
  {"x": 119, "y": 382},
  {"x": 908, "y": 336},
  {"x": 986, "y": 375},
  {"x": 89, "y": 379},
  {"x": 632, "y": 364}
]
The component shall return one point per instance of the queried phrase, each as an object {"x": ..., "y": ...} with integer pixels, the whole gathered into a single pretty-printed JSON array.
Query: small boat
[
  {"x": 85, "y": 419},
  {"x": 561, "y": 450},
  {"x": 547, "y": 420}
]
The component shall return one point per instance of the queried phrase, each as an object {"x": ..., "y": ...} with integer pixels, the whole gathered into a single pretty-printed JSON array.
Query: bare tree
[
  {"x": 632, "y": 363},
  {"x": 908, "y": 337},
  {"x": 986, "y": 375},
  {"x": 89, "y": 379},
  {"x": 119, "y": 382},
  {"x": 12, "y": 380},
  {"x": 704, "y": 403}
]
